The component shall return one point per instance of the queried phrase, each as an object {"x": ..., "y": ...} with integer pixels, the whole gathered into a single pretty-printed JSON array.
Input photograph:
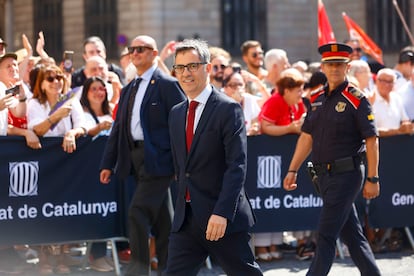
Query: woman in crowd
[
  {"x": 234, "y": 87},
  {"x": 98, "y": 116},
  {"x": 281, "y": 114},
  {"x": 51, "y": 112}
]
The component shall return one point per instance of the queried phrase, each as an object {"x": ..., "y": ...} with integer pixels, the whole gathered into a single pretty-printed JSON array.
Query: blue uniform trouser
[{"x": 338, "y": 218}]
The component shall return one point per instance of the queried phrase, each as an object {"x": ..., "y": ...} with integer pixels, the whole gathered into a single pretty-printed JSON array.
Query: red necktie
[{"x": 189, "y": 134}]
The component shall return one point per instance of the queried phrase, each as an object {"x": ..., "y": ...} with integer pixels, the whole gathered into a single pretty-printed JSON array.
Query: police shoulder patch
[{"x": 353, "y": 95}]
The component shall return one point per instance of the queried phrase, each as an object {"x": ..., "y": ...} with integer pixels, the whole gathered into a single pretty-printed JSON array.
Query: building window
[
  {"x": 48, "y": 18},
  {"x": 385, "y": 25},
  {"x": 101, "y": 20},
  {"x": 243, "y": 20}
]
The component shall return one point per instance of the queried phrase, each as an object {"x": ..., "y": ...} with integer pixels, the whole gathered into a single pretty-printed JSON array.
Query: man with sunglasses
[
  {"x": 140, "y": 143},
  {"x": 252, "y": 55},
  {"x": 220, "y": 60},
  {"x": 209, "y": 145},
  {"x": 404, "y": 67}
]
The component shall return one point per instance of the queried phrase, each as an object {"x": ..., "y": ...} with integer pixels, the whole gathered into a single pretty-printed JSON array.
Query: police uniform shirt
[{"x": 338, "y": 123}]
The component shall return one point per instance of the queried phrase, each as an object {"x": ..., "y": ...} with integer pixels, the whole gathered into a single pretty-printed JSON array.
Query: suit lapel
[
  {"x": 205, "y": 116},
  {"x": 180, "y": 129},
  {"x": 149, "y": 90}
]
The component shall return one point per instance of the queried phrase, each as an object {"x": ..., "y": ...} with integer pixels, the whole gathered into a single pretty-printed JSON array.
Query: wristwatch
[{"x": 373, "y": 179}]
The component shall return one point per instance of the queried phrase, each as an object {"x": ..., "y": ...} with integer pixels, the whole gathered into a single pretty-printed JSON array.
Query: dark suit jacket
[
  {"x": 162, "y": 94},
  {"x": 215, "y": 168}
]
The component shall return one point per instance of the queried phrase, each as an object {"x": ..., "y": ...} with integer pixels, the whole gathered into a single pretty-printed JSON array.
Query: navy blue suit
[
  {"x": 150, "y": 162},
  {"x": 214, "y": 172}
]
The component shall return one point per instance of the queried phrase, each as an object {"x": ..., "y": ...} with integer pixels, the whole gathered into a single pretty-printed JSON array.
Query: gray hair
[
  {"x": 274, "y": 56},
  {"x": 356, "y": 66},
  {"x": 200, "y": 46}
]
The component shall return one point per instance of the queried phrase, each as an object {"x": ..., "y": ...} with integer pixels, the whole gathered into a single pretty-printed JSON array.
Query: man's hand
[
  {"x": 216, "y": 227},
  {"x": 371, "y": 190},
  {"x": 105, "y": 176},
  {"x": 289, "y": 183}
]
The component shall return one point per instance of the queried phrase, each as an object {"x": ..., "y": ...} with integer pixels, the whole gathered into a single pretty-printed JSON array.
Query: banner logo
[
  {"x": 23, "y": 178},
  {"x": 268, "y": 171}
]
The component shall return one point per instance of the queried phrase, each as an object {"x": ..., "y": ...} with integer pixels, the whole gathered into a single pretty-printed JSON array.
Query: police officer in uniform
[{"x": 340, "y": 131}]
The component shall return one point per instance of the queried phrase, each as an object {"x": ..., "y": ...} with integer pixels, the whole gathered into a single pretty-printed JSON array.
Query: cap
[
  {"x": 2, "y": 42},
  {"x": 316, "y": 79},
  {"x": 6, "y": 55},
  {"x": 406, "y": 55},
  {"x": 335, "y": 52}
]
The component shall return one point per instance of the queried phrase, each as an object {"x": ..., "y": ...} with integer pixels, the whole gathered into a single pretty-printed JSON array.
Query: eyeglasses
[
  {"x": 96, "y": 89},
  {"x": 386, "y": 81},
  {"x": 357, "y": 49},
  {"x": 256, "y": 54},
  {"x": 235, "y": 85},
  {"x": 139, "y": 49},
  {"x": 217, "y": 67},
  {"x": 192, "y": 67},
  {"x": 53, "y": 78}
]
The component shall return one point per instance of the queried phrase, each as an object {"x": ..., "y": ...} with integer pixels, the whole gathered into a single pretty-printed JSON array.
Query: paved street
[{"x": 399, "y": 263}]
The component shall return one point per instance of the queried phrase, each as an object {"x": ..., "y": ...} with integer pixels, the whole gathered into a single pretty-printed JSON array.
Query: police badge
[{"x": 340, "y": 107}]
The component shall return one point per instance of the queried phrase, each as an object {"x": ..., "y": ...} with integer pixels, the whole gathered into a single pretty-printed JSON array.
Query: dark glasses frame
[
  {"x": 53, "y": 78},
  {"x": 139, "y": 49},
  {"x": 192, "y": 67}
]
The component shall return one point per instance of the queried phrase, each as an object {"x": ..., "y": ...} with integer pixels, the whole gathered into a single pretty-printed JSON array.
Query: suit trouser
[
  {"x": 188, "y": 250},
  {"x": 338, "y": 218},
  {"x": 149, "y": 211}
]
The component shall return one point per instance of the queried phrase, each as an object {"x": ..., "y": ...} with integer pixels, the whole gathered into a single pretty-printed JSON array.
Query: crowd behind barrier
[{"x": 50, "y": 196}]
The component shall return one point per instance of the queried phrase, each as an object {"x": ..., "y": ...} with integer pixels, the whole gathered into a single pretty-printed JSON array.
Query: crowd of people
[{"x": 131, "y": 104}]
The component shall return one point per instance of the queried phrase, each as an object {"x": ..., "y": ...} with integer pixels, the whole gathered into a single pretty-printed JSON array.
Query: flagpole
[{"x": 403, "y": 21}]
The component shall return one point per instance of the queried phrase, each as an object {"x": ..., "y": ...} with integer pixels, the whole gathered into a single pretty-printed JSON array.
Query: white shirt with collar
[
  {"x": 388, "y": 115},
  {"x": 202, "y": 100},
  {"x": 136, "y": 128}
]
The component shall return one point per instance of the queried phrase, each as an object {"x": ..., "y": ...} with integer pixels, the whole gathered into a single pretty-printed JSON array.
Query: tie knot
[
  {"x": 137, "y": 81},
  {"x": 193, "y": 105}
]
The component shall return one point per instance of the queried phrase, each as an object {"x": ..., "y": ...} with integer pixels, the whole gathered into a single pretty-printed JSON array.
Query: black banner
[
  {"x": 50, "y": 196},
  {"x": 276, "y": 209}
]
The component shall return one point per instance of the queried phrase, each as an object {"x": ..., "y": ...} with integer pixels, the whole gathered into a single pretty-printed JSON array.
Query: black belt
[
  {"x": 342, "y": 165},
  {"x": 138, "y": 144}
]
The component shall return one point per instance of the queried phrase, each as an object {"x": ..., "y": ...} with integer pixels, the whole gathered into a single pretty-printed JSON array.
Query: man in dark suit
[
  {"x": 213, "y": 213},
  {"x": 140, "y": 142}
]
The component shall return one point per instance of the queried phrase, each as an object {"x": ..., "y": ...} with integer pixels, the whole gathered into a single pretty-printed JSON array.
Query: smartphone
[
  {"x": 68, "y": 61},
  {"x": 14, "y": 90}
]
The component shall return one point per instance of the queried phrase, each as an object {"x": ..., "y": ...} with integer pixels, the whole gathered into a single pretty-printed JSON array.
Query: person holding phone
[
  {"x": 12, "y": 95},
  {"x": 49, "y": 115},
  {"x": 13, "y": 100}
]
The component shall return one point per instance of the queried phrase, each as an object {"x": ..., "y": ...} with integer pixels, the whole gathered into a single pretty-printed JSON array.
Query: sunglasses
[
  {"x": 256, "y": 54},
  {"x": 358, "y": 49},
  {"x": 139, "y": 49},
  {"x": 217, "y": 67},
  {"x": 53, "y": 78}
]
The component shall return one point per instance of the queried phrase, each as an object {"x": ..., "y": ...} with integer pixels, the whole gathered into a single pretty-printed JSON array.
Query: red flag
[
  {"x": 325, "y": 33},
  {"x": 356, "y": 32}
]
